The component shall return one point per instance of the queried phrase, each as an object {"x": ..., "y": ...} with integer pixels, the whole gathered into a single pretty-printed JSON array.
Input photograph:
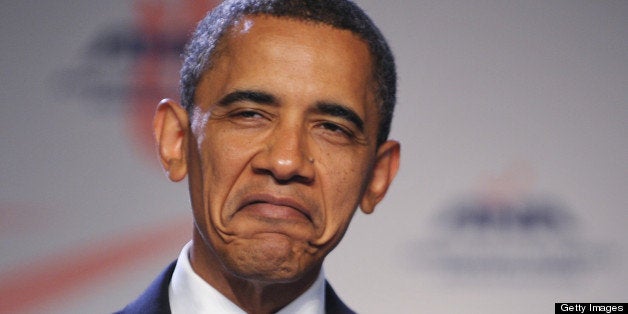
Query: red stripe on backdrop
[{"x": 49, "y": 278}]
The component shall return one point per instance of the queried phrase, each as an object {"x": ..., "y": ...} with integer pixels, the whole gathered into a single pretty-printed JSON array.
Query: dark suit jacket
[{"x": 155, "y": 299}]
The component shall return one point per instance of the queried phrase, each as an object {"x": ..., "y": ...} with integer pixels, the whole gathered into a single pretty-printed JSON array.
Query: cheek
[
  {"x": 224, "y": 156},
  {"x": 220, "y": 160},
  {"x": 224, "y": 160},
  {"x": 344, "y": 180}
]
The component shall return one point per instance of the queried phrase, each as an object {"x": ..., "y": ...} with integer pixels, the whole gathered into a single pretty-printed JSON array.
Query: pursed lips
[{"x": 273, "y": 207}]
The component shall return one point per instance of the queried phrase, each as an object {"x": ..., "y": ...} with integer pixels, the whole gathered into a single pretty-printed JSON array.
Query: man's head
[
  {"x": 205, "y": 45},
  {"x": 280, "y": 135}
]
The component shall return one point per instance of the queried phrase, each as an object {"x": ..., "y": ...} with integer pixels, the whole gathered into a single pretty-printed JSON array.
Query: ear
[
  {"x": 171, "y": 128},
  {"x": 384, "y": 171}
]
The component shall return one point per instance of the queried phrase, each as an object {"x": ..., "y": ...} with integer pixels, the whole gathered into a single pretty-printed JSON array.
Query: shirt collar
[{"x": 189, "y": 293}]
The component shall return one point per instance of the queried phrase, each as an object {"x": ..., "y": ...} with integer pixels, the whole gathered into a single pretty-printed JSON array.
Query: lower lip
[{"x": 274, "y": 212}]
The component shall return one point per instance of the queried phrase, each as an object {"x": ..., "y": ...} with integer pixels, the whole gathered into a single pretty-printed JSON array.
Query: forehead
[
  {"x": 267, "y": 50},
  {"x": 264, "y": 24},
  {"x": 299, "y": 40}
]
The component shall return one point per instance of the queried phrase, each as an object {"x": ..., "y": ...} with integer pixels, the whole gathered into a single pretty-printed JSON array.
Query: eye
[
  {"x": 333, "y": 127},
  {"x": 336, "y": 130},
  {"x": 247, "y": 114},
  {"x": 247, "y": 117}
]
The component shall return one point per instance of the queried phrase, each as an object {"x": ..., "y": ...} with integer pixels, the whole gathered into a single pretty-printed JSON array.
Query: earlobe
[
  {"x": 384, "y": 171},
  {"x": 171, "y": 127}
]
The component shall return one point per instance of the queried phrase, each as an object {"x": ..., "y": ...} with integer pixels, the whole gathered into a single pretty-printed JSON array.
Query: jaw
[{"x": 256, "y": 288}]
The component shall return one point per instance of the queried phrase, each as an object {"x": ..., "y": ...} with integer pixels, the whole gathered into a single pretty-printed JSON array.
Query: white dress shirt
[{"x": 188, "y": 293}]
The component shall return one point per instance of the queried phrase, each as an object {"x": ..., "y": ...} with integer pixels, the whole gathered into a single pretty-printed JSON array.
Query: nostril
[{"x": 286, "y": 171}]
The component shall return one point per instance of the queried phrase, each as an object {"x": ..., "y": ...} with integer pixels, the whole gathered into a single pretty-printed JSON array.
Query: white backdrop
[{"x": 511, "y": 196}]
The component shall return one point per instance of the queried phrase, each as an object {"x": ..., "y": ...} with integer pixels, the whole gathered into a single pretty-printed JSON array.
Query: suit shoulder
[
  {"x": 333, "y": 303},
  {"x": 155, "y": 298}
]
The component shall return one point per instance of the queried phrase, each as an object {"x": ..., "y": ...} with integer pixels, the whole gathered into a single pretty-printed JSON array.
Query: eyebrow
[
  {"x": 247, "y": 95},
  {"x": 341, "y": 111}
]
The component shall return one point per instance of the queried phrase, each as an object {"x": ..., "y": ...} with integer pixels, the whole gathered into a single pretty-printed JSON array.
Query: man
[{"x": 282, "y": 132}]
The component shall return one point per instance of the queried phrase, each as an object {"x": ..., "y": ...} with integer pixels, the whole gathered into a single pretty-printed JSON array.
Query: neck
[{"x": 252, "y": 295}]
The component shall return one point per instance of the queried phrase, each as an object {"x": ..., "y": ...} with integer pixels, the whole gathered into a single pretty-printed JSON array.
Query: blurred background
[{"x": 512, "y": 194}]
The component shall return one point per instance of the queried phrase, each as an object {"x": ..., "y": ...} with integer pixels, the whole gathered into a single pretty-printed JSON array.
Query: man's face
[{"x": 282, "y": 148}]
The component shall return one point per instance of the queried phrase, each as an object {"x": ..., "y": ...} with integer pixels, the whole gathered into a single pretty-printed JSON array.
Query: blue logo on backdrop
[
  {"x": 504, "y": 232},
  {"x": 128, "y": 68}
]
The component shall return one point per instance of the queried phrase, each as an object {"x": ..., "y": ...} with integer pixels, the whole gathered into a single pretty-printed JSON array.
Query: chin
[{"x": 270, "y": 260}]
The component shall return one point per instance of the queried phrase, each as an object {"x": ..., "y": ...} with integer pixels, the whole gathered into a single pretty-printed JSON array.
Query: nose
[{"x": 286, "y": 156}]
